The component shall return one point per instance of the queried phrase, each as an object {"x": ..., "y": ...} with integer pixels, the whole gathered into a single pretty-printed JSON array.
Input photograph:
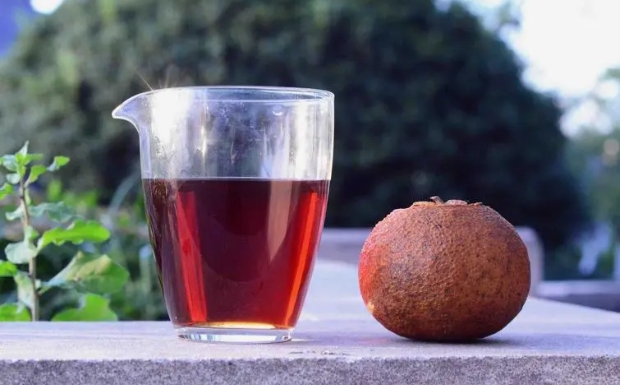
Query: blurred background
[{"x": 512, "y": 103}]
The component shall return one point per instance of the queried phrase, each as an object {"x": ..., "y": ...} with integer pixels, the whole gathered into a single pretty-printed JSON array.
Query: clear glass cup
[{"x": 236, "y": 182}]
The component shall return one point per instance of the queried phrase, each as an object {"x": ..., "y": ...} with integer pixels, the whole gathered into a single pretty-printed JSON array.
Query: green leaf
[
  {"x": 54, "y": 190},
  {"x": 91, "y": 273},
  {"x": 58, "y": 212},
  {"x": 24, "y": 159},
  {"x": 12, "y": 312},
  {"x": 9, "y": 162},
  {"x": 7, "y": 269},
  {"x": 20, "y": 252},
  {"x": 24, "y": 150},
  {"x": 15, "y": 214},
  {"x": 35, "y": 172},
  {"x": 78, "y": 232},
  {"x": 24, "y": 251},
  {"x": 25, "y": 290},
  {"x": 58, "y": 162},
  {"x": 5, "y": 190},
  {"x": 92, "y": 308},
  {"x": 30, "y": 233},
  {"x": 13, "y": 178}
]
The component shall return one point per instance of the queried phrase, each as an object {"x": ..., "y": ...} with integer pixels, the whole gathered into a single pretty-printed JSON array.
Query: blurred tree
[
  {"x": 595, "y": 156},
  {"x": 594, "y": 153},
  {"x": 428, "y": 101}
]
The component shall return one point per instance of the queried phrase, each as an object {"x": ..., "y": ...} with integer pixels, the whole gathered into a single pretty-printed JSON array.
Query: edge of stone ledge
[{"x": 496, "y": 370}]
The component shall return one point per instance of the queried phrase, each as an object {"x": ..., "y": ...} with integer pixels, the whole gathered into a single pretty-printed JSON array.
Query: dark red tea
[{"x": 234, "y": 252}]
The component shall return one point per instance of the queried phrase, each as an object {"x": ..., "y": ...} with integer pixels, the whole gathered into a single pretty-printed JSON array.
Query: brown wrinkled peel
[{"x": 444, "y": 271}]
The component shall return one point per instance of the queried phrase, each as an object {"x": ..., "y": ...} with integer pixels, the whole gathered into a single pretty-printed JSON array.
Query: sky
[
  {"x": 45, "y": 6},
  {"x": 566, "y": 45},
  {"x": 569, "y": 46}
]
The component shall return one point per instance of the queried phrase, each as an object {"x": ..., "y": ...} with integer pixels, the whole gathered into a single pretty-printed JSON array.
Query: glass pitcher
[{"x": 236, "y": 182}]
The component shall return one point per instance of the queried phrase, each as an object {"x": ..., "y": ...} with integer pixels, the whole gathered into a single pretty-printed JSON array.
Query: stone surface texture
[{"x": 336, "y": 342}]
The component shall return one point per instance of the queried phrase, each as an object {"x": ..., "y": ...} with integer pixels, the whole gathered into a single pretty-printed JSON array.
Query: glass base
[{"x": 234, "y": 335}]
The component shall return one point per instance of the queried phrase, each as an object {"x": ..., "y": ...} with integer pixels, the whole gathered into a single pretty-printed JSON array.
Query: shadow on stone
[{"x": 486, "y": 342}]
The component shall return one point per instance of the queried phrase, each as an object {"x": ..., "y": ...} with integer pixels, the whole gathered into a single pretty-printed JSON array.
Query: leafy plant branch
[{"x": 92, "y": 275}]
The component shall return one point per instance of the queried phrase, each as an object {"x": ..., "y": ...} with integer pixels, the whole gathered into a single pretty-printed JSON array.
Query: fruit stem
[{"x": 437, "y": 200}]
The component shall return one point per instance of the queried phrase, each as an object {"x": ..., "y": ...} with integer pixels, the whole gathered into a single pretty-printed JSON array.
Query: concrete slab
[{"x": 336, "y": 342}]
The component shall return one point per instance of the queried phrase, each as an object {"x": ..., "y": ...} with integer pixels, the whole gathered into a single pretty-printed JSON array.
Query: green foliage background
[{"x": 428, "y": 101}]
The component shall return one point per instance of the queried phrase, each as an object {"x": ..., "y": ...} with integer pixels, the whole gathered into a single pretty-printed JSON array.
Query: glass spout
[{"x": 133, "y": 110}]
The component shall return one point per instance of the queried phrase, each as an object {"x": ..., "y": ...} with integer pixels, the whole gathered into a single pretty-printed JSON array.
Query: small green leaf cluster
[{"x": 92, "y": 275}]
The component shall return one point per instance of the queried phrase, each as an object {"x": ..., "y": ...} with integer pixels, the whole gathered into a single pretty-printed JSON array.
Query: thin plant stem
[{"x": 32, "y": 264}]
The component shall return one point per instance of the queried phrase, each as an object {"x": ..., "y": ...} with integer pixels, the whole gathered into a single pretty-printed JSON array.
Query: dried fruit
[{"x": 444, "y": 271}]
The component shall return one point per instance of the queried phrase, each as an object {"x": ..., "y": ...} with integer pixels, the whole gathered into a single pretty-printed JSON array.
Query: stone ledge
[
  {"x": 438, "y": 371},
  {"x": 578, "y": 347},
  {"x": 337, "y": 342}
]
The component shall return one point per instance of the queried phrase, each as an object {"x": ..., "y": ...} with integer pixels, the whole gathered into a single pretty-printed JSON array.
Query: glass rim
[{"x": 288, "y": 94}]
